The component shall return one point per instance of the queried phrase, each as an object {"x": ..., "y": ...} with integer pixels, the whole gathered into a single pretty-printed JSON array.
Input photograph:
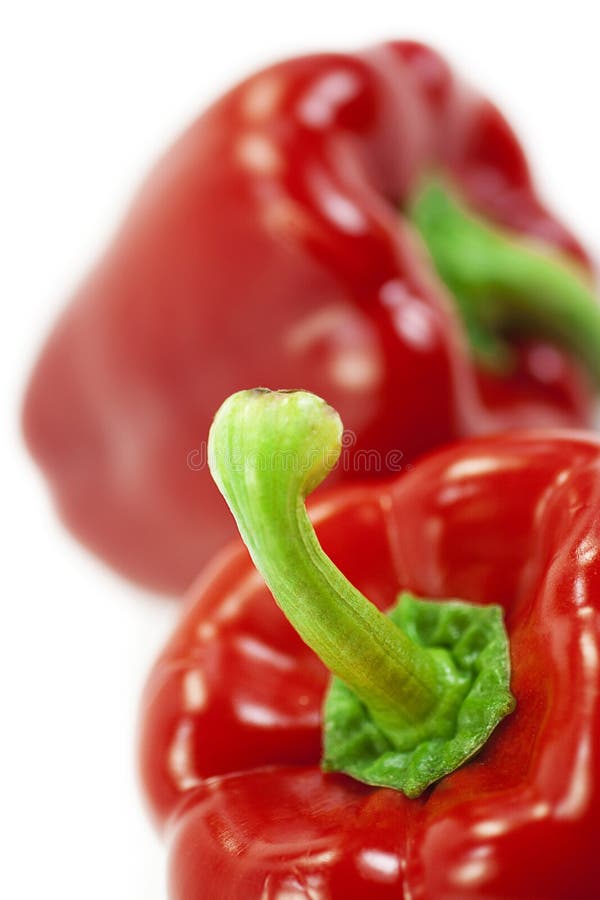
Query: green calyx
[
  {"x": 504, "y": 284},
  {"x": 471, "y": 647},
  {"x": 414, "y": 693}
]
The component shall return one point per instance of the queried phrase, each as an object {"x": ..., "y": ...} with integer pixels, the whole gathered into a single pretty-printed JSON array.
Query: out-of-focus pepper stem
[{"x": 505, "y": 284}]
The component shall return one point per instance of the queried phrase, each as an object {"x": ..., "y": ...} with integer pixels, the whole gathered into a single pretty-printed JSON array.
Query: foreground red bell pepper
[
  {"x": 231, "y": 727},
  {"x": 278, "y": 243}
]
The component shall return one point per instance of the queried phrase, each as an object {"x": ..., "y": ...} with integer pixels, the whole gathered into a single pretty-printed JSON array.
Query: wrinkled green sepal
[{"x": 471, "y": 647}]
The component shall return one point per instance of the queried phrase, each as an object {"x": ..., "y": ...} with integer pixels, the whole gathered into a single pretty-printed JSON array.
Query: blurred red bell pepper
[
  {"x": 231, "y": 725},
  {"x": 284, "y": 239}
]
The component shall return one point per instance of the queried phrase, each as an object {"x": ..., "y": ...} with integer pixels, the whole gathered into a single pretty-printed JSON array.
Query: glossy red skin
[
  {"x": 268, "y": 248},
  {"x": 230, "y": 736}
]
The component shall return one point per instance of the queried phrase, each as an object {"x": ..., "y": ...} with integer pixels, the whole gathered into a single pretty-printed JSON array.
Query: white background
[{"x": 91, "y": 93}]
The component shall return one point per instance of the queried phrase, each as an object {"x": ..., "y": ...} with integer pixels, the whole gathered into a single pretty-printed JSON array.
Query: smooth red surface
[
  {"x": 230, "y": 732},
  {"x": 268, "y": 247}
]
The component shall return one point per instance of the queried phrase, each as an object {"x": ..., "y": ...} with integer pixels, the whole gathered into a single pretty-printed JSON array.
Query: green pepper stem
[
  {"x": 504, "y": 284},
  {"x": 267, "y": 452}
]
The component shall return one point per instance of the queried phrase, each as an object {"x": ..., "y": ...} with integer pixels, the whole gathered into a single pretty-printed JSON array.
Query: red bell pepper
[
  {"x": 231, "y": 725},
  {"x": 284, "y": 240}
]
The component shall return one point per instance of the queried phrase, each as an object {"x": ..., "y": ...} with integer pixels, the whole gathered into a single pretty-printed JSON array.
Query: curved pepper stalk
[{"x": 416, "y": 693}]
